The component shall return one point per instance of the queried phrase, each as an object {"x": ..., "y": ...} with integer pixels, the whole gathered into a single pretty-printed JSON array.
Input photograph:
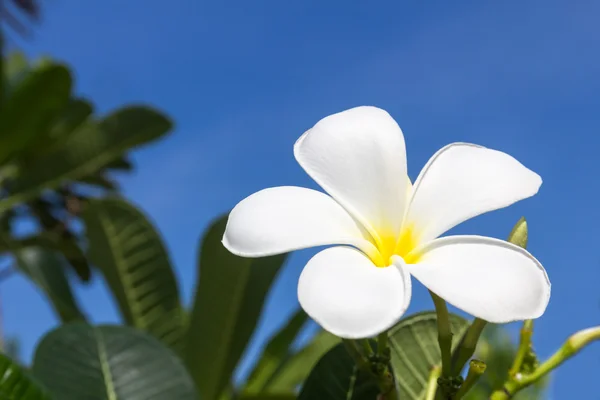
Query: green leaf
[
  {"x": 74, "y": 115},
  {"x": 335, "y": 377},
  {"x": 16, "y": 384},
  {"x": 88, "y": 150},
  {"x": 67, "y": 245},
  {"x": 519, "y": 234},
  {"x": 120, "y": 164},
  {"x": 295, "y": 369},
  {"x": 47, "y": 270},
  {"x": 227, "y": 305},
  {"x": 415, "y": 350},
  {"x": 78, "y": 361},
  {"x": 129, "y": 252},
  {"x": 100, "y": 181},
  {"x": 275, "y": 353},
  {"x": 32, "y": 107}
]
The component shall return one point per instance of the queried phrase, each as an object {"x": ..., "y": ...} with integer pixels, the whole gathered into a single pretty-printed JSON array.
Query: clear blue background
[{"x": 244, "y": 79}]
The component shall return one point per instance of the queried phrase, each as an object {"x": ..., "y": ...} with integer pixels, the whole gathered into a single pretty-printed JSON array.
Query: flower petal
[
  {"x": 359, "y": 157},
  {"x": 488, "y": 278},
  {"x": 286, "y": 218},
  {"x": 345, "y": 293},
  {"x": 462, "y": 181}
]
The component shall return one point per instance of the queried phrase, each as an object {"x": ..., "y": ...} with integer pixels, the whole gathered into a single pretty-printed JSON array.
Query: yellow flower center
[{"x": 389, "y": 245}]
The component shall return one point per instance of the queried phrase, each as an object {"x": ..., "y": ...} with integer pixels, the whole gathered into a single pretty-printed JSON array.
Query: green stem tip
[
  {"x": 432, "y": 384},
  {"x": 476, "y": 369}
]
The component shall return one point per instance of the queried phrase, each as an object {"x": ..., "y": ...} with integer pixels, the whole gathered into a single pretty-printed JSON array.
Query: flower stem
[
  {"x": 467, "y": 346},
  {"x": 432, "y": 384},
  {"x": 572, "y": 346},
  {"x": 382, "y": 344},
  {"x": 444, "y": 333},
  {"x": 524, "y": 345},
  {"x": 360, "y": 361},
  {"x": 366, "y": 346},
  {"x": 380, "y": 373},
  {"x": 476, "y": 369}
]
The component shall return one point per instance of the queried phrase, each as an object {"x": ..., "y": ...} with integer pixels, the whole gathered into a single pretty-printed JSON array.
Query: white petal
[
  {"x": 286, "y": 218},
  {"x": 462, "y": 181},
  {"x": 359, "y": 157},
  {"x": 487, "y": 278},
  {"x": 345, "y": 293}
]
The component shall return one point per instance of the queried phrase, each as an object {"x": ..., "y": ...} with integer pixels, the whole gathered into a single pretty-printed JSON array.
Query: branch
[
  {"x": 572, "y": 346},
  {"x": 444, "y": 333},
  {"x": 524, "y": 346}
]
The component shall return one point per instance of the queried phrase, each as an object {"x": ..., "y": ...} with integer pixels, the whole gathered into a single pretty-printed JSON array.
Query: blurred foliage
[
  {"x": 11, "y": 347},
  {"x": 56, "y": 155},
  {"x": 17, "y": 384}
]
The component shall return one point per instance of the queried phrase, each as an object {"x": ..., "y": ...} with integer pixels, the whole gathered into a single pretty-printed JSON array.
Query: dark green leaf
[
  {"x": 295, "y": 369},
  {"x": 275, "y": 353},
  {"x": 78, "y": 361},
  {"x": 335, "y": 377},
  {"x": 88, "y": 150},
  {"x": 128, "y": 250},
  {"x": 415, "y": 350},
  {"x": 120, "y": 164},
  {"x": 228, "y": 302},
  {"x": 76, "y": 258},
  {"x": 100, "y": 181},
  {"x": 32, "y": 107},
  {"x": 47, "y": 270},
  {"x": 73, "y": 116},
  {"x": 16, "y": 384}
]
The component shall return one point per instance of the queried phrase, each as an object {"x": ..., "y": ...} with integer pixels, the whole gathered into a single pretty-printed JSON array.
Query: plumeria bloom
[{"x": 386, "y": 229}]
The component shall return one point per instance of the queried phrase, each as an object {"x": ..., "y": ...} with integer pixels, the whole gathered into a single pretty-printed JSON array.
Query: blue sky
[{"x": 243, "y": 80}]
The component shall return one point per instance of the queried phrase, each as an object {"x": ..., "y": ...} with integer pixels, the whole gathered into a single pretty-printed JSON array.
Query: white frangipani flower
[{"x": 390, "y": 228}]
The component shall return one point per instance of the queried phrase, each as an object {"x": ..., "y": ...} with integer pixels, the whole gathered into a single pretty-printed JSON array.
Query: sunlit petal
[
  {"x": 462, "y": 181},
  {"x": 487, "y": 278},
  {"x": 358, "y": 156},
  {"x": 286, "y": 218},
  {"x": 347, "y": 295}
]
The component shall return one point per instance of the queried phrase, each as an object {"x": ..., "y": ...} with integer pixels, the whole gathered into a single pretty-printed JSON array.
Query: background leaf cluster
[{"x": 59, "y": 162}]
